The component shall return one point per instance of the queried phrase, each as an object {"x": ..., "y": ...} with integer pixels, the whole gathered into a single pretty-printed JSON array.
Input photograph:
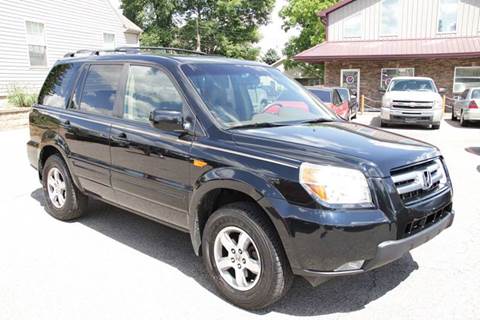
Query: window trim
[
  {"x": 393, "y": 68},
  {"x": 114, "y": 40},
  {"x": 455, "y": 75},
  {"x": 359, "y": 14},
  {"x": 187, "y": 109},
  {"x": 381, "y": 32},
  {"x": 85, "y": 70},
  {"x": 25, "y": 21},
  {"x": 438, "y": 20}
]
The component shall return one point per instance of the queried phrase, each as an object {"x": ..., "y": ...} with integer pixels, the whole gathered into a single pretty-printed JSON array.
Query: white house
[{"x": 36, "y": 33}]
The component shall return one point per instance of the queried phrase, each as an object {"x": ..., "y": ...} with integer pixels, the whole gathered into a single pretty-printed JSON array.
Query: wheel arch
[
  {"x": 227, "y": 185},
  {"x": 52, "y": 143}
]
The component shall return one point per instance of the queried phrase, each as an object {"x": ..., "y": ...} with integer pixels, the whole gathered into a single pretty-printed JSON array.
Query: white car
[
  {"x": 412, "y": 100},
  {"x": 467, "y": 107}
]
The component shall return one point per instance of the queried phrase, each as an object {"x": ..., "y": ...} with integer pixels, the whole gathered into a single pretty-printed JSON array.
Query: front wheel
[
  {"x": 244, "y": 257},
  {"x": 63, "y": 200},
  {"x": 435, "y": 126}
]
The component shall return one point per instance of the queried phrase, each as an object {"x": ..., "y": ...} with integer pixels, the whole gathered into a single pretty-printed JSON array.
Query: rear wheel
[
  {"x": 63, "y": 200},
  {"x": 244, "y": 257},
  {"x": 463, "y": 122}
]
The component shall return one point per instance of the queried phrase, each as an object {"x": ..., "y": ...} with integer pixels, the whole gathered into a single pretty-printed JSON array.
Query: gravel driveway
[{"x": 115, "y": 265}]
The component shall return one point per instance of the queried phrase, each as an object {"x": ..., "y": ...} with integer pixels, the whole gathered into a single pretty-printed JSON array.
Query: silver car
[{"x": 467, "y": 107}]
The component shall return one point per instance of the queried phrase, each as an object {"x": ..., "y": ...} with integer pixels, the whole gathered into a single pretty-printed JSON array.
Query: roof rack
[{"x": 166, "y": 50}]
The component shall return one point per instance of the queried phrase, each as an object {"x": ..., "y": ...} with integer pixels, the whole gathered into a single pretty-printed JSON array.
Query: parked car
[
  {"x": 288, "y": 190},
  {"x": 466, "y": 107},
  {"x": 412, "y": 100},
  {"x": 347, "y": 95},
  {"x": 331, "y": 97}
]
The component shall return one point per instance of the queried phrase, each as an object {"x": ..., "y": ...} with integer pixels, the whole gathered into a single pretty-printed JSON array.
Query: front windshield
[
  {"x": 243, "y": 95},
  {"x": 412, "y": 85}
]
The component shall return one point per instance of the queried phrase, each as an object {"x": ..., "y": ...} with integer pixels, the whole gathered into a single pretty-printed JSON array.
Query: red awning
[{"x": 388, "y": 49}]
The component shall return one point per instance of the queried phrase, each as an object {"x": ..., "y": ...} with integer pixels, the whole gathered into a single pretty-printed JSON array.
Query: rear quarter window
[
  {"x": 57, "y": 86},
  {"x": 324, "y": 95}
]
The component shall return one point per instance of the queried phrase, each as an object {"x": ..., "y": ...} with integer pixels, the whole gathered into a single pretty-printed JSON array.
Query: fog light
[{"x": 351, "y": 265}]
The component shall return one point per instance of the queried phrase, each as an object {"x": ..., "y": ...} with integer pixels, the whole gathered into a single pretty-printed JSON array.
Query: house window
[
  {"x": 388, "y": 74},
  {"x": 466, "y": 77},
  {"x": 352, "y": 27},
  {"x": 37, "y": 50},
  {"x": 109, "y": 41},
  {"x": 447, "y": 16},
  {"x": 391, "y": 16}
]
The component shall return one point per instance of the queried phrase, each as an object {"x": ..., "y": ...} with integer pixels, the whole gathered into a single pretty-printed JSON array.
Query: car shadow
[{"x": 170, "y": 246}]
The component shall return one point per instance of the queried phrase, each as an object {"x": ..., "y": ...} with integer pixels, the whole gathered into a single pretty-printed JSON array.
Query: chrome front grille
[
  {"x": 419, "y": 181},
  {"x": 403, "y": 104}
]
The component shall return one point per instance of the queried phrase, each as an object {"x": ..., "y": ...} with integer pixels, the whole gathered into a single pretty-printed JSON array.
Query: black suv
[{"x": 266, "y": 191}]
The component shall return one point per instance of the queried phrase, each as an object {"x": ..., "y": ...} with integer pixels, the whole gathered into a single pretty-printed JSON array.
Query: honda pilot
[{"x": 266, "y": 191}]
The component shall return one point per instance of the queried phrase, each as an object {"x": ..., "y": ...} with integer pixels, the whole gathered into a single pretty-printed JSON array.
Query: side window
[
  {"x": 465, "y": 94},
  {"x": 336, "y": 98},
  {"x": 147, "y": 89},
  {"x": 55, "y": 89},
  {"x": 100, "y": 89}
]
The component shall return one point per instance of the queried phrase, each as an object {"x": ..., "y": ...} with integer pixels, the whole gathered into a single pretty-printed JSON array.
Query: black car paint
[{"x": 150, "y": 172}]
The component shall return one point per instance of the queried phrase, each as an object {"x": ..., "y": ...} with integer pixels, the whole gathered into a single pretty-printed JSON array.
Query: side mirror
[
  {"x": 167, "y": 120},
  {"x": 382, "y": 90},
  {"x": 442, "y": 90}
]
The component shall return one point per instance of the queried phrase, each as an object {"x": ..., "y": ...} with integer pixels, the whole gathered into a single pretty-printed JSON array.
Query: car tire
[
  {"x": 264, "y": 251},
  {"x": 384, "y": 124},
  {"x": 454, "y": 117},
  {"x": 435, "y": 126},
  {"x": 63, "y": 200},
  {"x": 463, "y": 122}
]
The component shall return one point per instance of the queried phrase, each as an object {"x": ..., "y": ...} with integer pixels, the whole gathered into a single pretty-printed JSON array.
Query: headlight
[
  {"x": 335, "y": 185},
  {"x": 387, "y": 102},
  {"x": 437, "y": 104}
]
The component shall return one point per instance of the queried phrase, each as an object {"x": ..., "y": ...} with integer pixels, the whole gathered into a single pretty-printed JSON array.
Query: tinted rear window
[
  {"x": 343, "y": 94},
  {"x": 324, "y": 95},
  {"x": 100, "y": 89},
  {"x": 56, "y": 88}
]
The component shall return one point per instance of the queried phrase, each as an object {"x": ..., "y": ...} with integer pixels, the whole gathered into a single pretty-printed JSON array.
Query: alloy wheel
[
  {"x": 57, "y": 191},
  {"x": 237, "y": 258}
]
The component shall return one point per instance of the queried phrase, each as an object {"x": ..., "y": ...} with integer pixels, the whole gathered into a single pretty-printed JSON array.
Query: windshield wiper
[{"x": 257, "y": 125}]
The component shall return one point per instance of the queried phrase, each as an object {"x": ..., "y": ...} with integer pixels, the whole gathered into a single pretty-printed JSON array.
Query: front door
[
  {"x": 350, "y": 78},
  {"x": 150, "y": 167}
]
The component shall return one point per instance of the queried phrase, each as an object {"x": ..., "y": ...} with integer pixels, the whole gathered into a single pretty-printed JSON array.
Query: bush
[{"x": 20, "y": 98}]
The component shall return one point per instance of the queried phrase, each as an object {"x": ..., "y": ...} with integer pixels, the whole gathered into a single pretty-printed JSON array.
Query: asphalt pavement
[{"x": 115, "y": 265}]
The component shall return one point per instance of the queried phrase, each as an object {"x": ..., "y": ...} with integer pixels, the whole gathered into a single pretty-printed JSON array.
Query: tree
[
  {"x": 155, "y": 17},
  {"x": 271, "y": 56},
  {"x": 303, "y": 14},
  {"x": 222, "y": 27}
]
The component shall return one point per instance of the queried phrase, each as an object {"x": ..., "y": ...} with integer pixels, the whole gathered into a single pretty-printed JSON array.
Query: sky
[{"x": 272, "y": 35}]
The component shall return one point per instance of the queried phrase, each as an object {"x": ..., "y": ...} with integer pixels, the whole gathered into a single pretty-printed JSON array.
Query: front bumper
[
  {"x": 410, "y": 116},
  {"x": 387, "y": 251}
]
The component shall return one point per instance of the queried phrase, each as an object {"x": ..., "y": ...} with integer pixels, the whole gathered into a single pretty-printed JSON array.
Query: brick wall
[{"x": 440, "y": 70}]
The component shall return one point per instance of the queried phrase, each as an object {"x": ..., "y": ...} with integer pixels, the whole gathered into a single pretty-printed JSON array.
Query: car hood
[
  {"x": 374, "y": 151},
  {"x": 421, "y": 96}
]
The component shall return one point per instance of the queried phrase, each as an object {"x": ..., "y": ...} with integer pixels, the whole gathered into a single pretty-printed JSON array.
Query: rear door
[
  {"x": 87, "y": 125},
  {"x": 150, "y": 167}
]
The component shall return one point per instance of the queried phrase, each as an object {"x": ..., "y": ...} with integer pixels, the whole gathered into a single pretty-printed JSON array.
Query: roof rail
[{"x": 166, "y": 50}]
